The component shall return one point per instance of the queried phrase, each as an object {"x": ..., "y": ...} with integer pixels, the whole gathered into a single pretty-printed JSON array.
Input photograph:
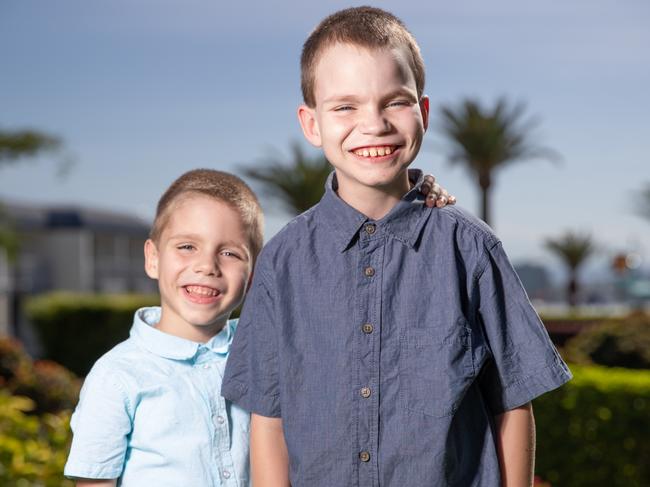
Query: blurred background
[{"x": 103, "y": 104}]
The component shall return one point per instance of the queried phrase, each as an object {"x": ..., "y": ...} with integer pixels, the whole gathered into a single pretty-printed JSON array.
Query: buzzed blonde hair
[
  {"x": 367, "y": 27},
  {"x": 221, "y": 186}
]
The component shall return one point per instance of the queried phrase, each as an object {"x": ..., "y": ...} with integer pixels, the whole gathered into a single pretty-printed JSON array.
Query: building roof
[{"x": 30, "y": 217}]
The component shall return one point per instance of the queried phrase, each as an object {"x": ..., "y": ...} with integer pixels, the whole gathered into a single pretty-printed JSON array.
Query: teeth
[
  {"x": 375, "y": 151},
  {"x": 201, "y": 291}
]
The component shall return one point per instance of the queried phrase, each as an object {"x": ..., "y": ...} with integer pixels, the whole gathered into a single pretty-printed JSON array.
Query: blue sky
[{"x": 142, "y": 90}]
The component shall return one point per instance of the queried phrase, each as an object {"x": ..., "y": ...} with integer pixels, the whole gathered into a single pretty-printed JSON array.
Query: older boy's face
[
  {"x": 368, "y": 118},
  {"x": 202, "y": 262}
]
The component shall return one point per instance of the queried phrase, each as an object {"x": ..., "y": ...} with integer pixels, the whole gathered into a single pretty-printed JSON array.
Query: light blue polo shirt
[{"x": 150, "y": 413}]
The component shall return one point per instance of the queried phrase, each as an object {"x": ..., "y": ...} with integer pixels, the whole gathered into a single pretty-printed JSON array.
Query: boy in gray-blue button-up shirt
[{"x": 384, "y": 343}]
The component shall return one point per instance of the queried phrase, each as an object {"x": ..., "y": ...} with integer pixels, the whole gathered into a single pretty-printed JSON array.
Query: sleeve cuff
[
  {"x": 81, "y": 470},
  {"x": 525, "y": 390},
  {"x": 238, "y": 393}
]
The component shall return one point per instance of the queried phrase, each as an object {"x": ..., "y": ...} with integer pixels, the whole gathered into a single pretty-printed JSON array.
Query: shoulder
[
  {"x": 461, "y": 237},
  {"x": 459, "y": 220},
  {"x": 120, "y": 367},
  {"x": 283, "y": 244}
]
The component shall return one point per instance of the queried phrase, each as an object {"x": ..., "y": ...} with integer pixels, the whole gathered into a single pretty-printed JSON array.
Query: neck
[
  {"x": 195, "y": 333},
  {"x": 375, "y": 202}
]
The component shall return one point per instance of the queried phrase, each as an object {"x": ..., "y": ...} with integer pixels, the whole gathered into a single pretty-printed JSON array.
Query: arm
[
  {"x": 96, "y": 483},
  {"x": 516, "y": 446},
  {"x": 269, "y": 457}
]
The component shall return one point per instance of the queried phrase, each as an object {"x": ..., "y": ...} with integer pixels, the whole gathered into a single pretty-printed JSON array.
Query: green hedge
[
  {"x": 595, "y": 430},
  {"x": 76, "y": 329},
  {"x": 617, "y": 343},
  {"x": 33, "y": 449}
]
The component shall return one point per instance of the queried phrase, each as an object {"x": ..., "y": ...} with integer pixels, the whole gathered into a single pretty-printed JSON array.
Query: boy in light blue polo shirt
[{"x": 150, "y": 411}]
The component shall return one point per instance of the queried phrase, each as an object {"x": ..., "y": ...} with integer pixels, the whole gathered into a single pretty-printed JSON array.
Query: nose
[
  {"x": 207, "y": 265},
  {"x": 374, "y": 122}
]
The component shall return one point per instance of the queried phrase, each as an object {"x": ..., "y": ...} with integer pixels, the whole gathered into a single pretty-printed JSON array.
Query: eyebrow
[
  {"x": 195, "y": 236},
  {"x": 401, "y": 92},
  {"x": 340, "y": 98}
]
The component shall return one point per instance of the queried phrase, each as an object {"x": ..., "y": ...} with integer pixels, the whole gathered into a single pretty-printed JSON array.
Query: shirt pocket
[{"x": 435, "y": 370}]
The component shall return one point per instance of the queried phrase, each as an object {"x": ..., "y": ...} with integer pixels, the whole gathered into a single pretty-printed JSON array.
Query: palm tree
[
  {"x": 15, "y": 145},
  {"x": 574, "y": 249},
  {"x": 25, "y": 143},
  {"x": 299, "y": 184},
  {"x": 484, "y": 140}
]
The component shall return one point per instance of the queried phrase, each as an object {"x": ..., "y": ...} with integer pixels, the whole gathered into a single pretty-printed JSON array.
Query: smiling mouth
[
  {"x": 375, "y": 151},
  {"x": 201, "y": 291}
]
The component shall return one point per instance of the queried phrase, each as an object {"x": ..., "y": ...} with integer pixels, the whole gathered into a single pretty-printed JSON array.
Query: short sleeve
[
  {"x": 100, "y": 425},
  {"x": 524, "y": 362},
  {"x": 251, "y": 376}
]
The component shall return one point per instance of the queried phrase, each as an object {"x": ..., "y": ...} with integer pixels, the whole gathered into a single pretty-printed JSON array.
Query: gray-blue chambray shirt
[{"x": 388, "y": 346}]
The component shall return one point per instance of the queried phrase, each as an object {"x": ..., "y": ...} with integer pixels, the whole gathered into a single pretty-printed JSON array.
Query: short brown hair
[
  {"x": 362, "y": 26},
  {"x": 221, "y": 186}
]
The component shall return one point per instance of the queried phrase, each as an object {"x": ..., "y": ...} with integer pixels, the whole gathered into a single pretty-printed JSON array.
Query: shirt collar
[
  {"x": 404, "y": 222},
  {"x": 173, "y": 347}
]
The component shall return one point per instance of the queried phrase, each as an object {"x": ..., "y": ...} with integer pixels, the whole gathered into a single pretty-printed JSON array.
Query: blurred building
[{"x": 71, "y": 248}]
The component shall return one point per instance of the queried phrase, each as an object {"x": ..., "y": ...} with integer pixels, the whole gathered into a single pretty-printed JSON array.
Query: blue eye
[{"x": 228, "y": 253}]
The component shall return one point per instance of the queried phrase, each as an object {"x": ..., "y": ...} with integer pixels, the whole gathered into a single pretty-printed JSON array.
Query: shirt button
[
  {"x": 226, "y": 474},
  {"x": 365, "y": 392},
  {"x": 220, "y": 419},
  {"x": 369, "y": 271},
  {"x": 370, "y": 228},
  {"x": 367, "y": 328},
  {"x": 206, "y": 366},
  {"x": 364, "y": 456}
]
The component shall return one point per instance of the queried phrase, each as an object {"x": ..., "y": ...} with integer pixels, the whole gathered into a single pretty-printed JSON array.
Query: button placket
[{"x": 369, "y": 284}]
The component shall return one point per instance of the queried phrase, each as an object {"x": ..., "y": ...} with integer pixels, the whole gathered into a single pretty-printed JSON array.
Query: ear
[
  {"x": 424, "y": 110},
  {"x": 151, "y": 259},
  {"x": 309, "y": 125}
]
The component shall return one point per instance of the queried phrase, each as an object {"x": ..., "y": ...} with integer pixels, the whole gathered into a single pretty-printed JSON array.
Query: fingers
[
  {"x": 433, "y": 195},
  {"x": 427, "y": 184}
]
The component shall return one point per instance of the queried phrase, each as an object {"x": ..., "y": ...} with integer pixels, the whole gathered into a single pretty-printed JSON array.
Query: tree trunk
[
  {"x": 572, "y": 289},
  {"x": 485, "y": 181}
]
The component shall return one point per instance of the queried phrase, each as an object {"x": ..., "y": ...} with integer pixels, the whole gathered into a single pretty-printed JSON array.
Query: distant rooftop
[{"x": 28, "y": 217}]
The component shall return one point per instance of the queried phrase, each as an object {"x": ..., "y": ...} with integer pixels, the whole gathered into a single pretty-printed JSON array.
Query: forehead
[
  {"x": 348, "y": 67},
  {"x": 200, "y": 213}
]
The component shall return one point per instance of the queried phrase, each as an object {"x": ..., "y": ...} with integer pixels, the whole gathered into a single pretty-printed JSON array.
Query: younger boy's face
[
  {"x": 368, "y": 118},
  {"x": 203, "y": 264}
]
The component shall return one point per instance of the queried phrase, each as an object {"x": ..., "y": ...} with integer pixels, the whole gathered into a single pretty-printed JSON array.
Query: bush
[
  {"x": 14, "y": 361},
  {"x": 51, "y": 386},
  {"x": 76, "y": 329},
  {"x": 620, "y": 343},
  {"x": 595, "y": 430},
  {"x": 33, "y": 449}
]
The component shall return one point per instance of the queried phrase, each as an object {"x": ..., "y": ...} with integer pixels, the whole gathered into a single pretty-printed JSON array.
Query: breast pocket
[{"x": 435, "y": 369}]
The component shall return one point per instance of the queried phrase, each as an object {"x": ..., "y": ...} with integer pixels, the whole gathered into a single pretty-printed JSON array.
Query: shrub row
[
  {"x": 76, "y": 329},
  {"x": 595, "y": 430},
  {"x": 33, "y": 449},
  {"x": 50, "y": 386}
]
